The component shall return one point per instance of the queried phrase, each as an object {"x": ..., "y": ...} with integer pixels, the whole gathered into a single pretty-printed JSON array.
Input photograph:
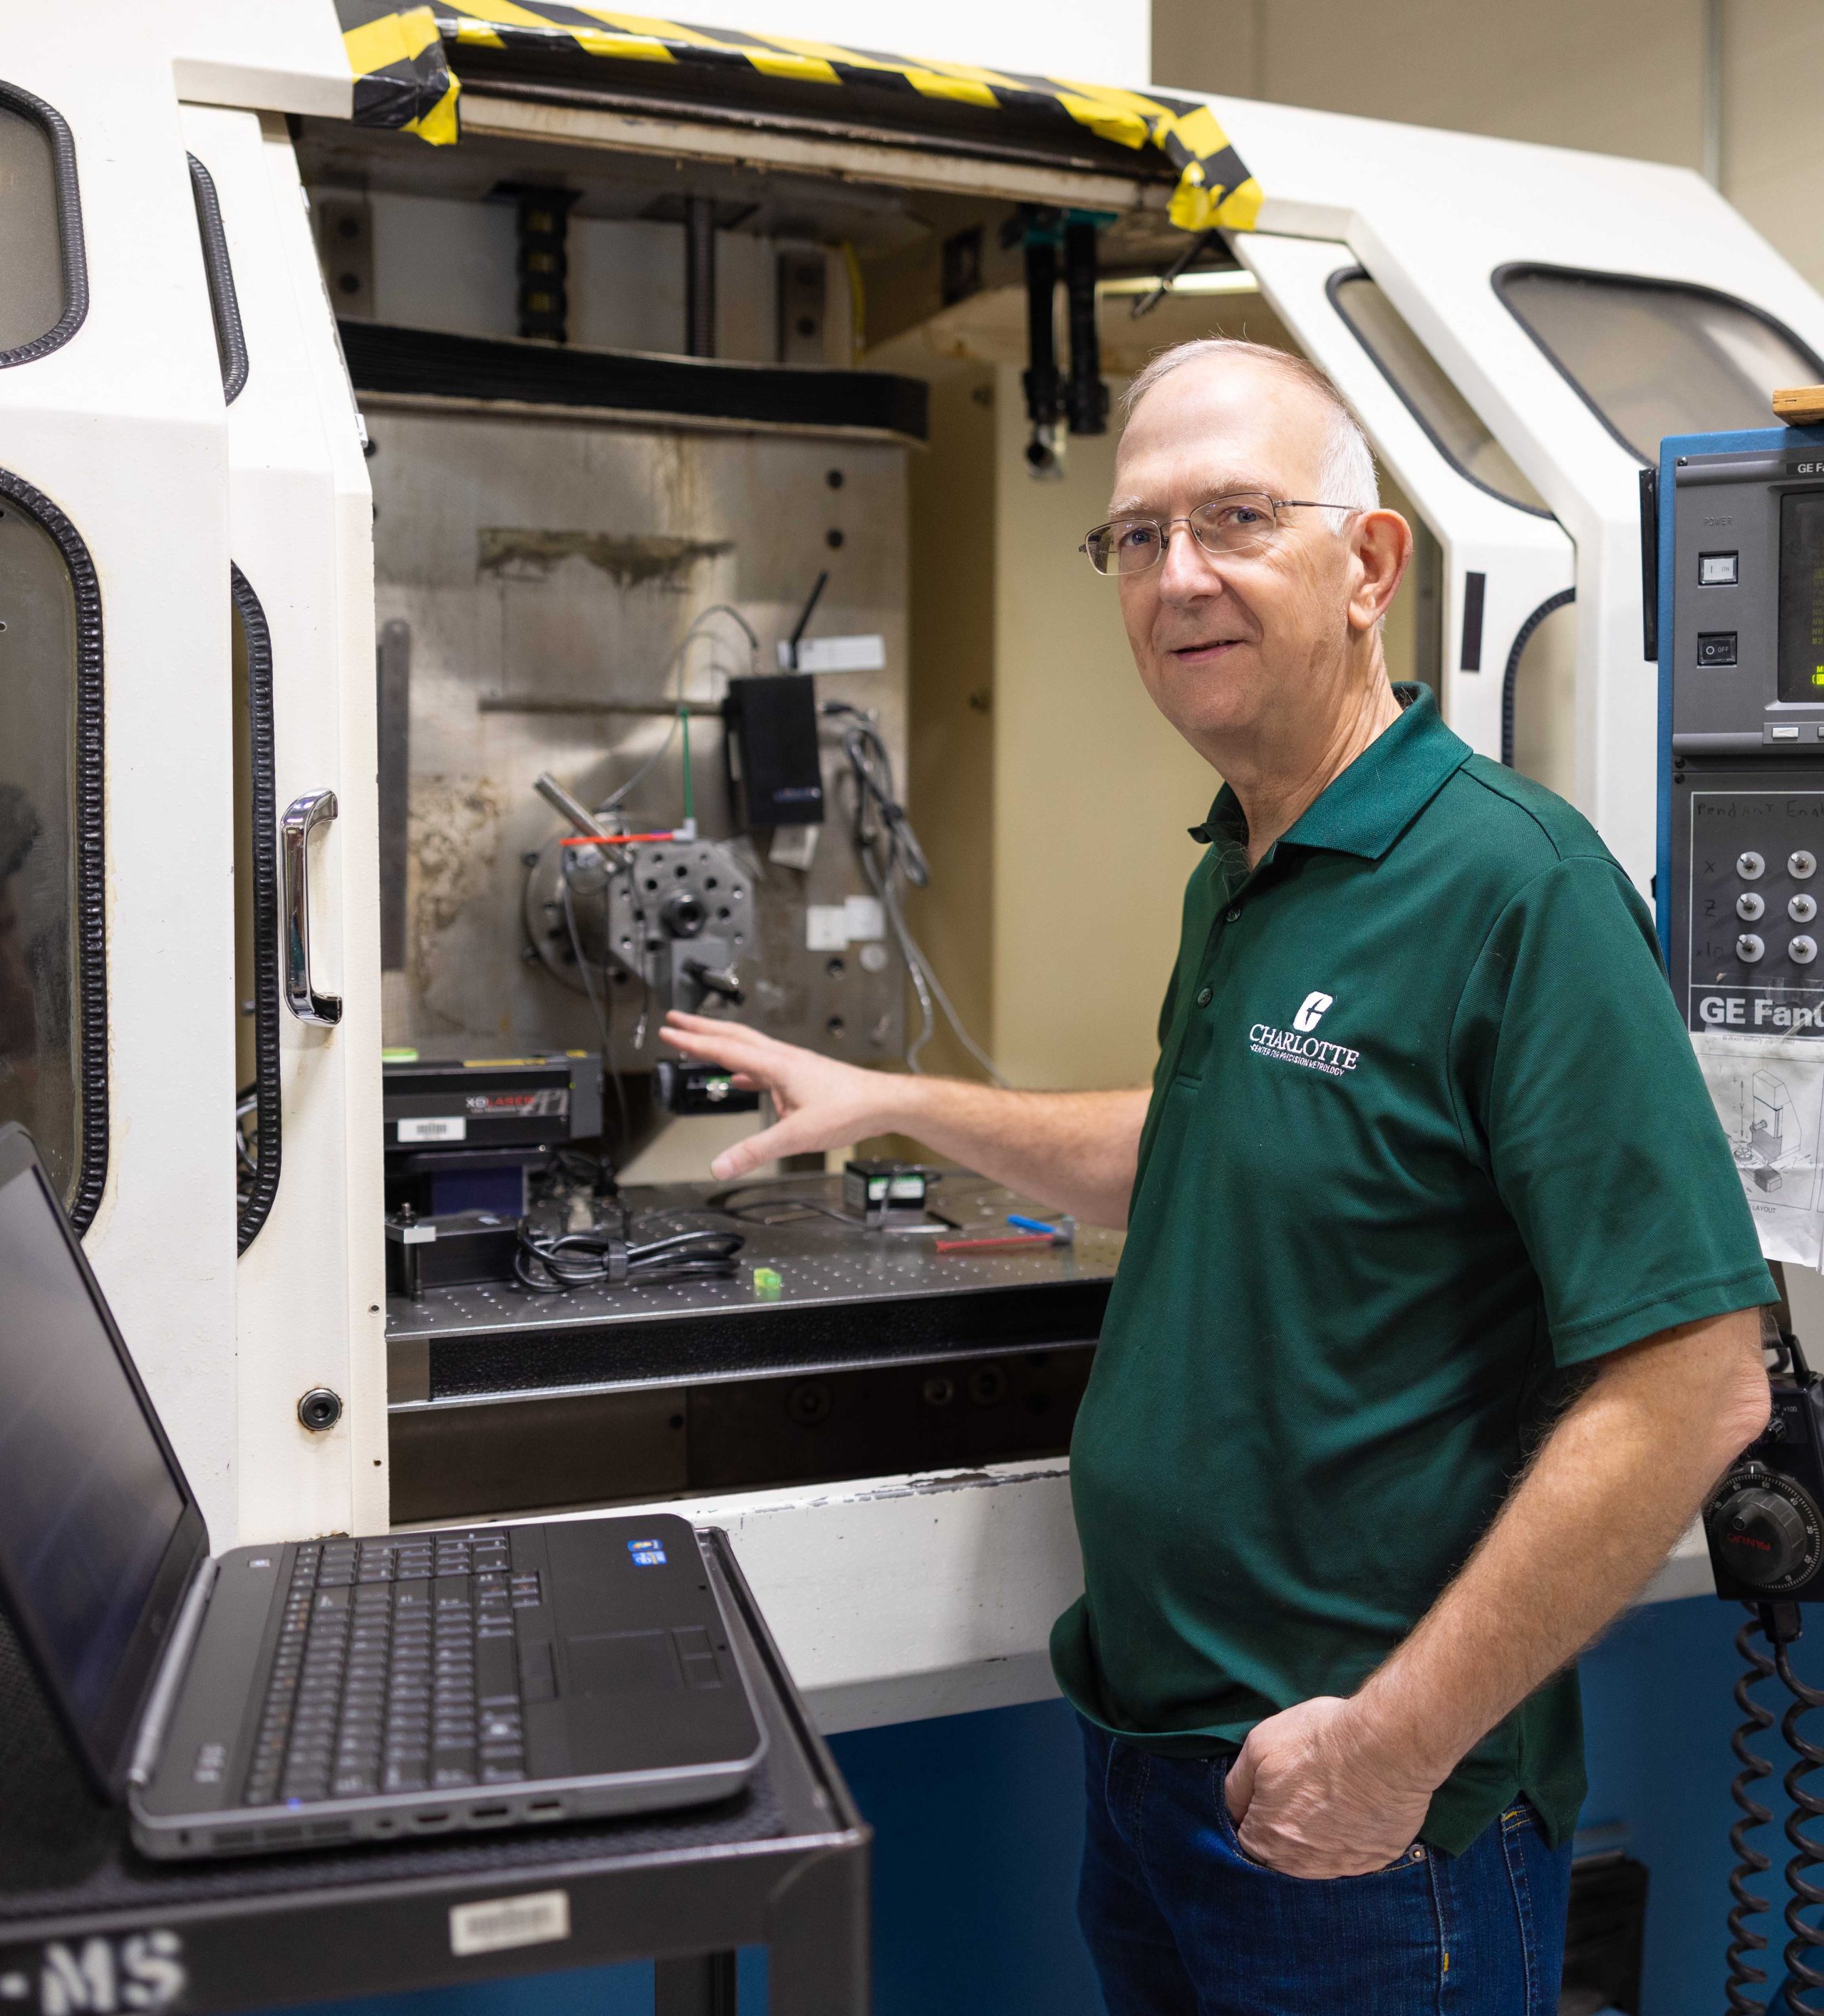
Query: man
[{"x": 1436, "y": 1319}]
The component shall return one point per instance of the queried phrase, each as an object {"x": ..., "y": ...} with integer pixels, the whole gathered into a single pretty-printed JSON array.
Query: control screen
[
  {"x": 1801, "y": 596},
  {"x": 89, "y": 1506}
]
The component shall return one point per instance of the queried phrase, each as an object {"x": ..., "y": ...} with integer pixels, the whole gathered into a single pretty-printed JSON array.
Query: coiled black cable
[
  {"x": 1745, "y": 1942},
  {"x": 1804, "y": 1948},
  {"x": 256, "y": 1202},
  {"x": 1510, "y": 677},
  {"x": 549, "y": 1263}
]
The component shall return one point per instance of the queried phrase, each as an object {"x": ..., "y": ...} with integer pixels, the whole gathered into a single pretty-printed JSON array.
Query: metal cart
[{"x": 86, "y": 1923}]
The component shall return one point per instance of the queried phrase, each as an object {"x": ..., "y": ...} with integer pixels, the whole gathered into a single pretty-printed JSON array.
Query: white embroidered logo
[{"x": 1298, "y": 1046}]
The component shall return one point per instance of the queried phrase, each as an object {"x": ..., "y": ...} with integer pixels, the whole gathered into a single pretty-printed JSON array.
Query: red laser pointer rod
[{"x": 623, "y": 839}]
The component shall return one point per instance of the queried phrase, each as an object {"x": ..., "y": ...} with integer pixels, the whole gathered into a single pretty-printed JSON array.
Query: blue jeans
[{"x": 1179, "y": 1922}]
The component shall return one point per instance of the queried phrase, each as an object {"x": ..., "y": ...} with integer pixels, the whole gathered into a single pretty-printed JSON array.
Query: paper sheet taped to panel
[{"x": 1768, "y": 1091}]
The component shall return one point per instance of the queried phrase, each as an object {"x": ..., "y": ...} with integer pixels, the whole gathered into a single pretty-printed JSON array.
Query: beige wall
[
  {"x": 950, "y": 723},
  {"x": 1622, "y": 77},
  {"x": 1093, "y": 791}
]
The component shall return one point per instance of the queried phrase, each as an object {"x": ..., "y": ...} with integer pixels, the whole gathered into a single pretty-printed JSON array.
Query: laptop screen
[{"x": 90, "y": 1506}]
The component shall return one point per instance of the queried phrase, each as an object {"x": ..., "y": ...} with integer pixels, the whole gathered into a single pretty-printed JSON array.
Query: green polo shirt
[{"x": 1426, "y": 1132}]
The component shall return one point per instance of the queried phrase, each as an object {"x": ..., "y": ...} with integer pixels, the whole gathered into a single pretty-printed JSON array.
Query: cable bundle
[
  {"x": 890, "y": 853},
  {"x": 550, "y": 1262}
]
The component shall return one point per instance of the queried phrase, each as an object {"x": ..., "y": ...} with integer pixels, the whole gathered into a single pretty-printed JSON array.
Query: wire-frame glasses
[{"x": 1243, "y": 522}]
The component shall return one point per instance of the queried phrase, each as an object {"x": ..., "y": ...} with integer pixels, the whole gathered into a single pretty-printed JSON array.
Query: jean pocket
[{"x": 1415, "y": 1857}]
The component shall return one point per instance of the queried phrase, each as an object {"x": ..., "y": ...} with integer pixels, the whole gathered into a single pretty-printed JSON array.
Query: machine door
[
  {"x": 309, "y": 1277},
  {"x": 117, "y": 1017},
  {"x": 1507, "y": 562}
]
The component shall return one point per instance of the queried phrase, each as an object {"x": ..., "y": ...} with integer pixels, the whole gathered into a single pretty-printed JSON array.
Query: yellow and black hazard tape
[{"x": 402, "y": 78}]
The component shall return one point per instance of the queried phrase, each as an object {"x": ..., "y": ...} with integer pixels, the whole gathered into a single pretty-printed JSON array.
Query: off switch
[{"x": 1716, "y": 647}]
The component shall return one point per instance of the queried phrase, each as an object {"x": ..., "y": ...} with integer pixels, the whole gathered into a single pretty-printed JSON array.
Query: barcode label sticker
[
  {"x": 434, "y": 1127},
  {"x": 534, "y": 1919}
]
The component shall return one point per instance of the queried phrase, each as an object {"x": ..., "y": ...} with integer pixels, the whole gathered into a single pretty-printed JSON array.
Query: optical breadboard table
[
  {"x": 87, "y": 1924},
  {"x": 832, "y": 1350}
]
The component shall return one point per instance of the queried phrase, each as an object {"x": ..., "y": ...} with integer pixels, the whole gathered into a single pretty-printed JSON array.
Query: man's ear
[{"x": 1382, "y": 545}]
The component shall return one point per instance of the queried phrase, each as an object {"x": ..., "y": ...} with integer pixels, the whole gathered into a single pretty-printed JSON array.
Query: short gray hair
[{"x": 1347, "y": 473}]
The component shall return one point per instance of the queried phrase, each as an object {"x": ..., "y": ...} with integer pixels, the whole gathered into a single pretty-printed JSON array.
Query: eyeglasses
[{"x": 1226, "y": 526}]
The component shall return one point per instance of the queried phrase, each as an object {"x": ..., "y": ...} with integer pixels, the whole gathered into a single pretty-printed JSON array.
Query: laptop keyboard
[{"x": 397, "y": 1671}]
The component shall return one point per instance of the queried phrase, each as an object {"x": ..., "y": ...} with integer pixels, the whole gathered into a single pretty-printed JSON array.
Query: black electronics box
[
  {"x": 876, "y": 1189},
  {"x": 540, "y": 1101},
  {"x": 690, "y": 1088},
  {"x": 770, "y": 747},
  {"x": 446, "y": 1251}
]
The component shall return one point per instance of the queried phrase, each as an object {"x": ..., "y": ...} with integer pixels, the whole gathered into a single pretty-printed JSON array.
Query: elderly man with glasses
[{"x": 1437, "y": 1315}]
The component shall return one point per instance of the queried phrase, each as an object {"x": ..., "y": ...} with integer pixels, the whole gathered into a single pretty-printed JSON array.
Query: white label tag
[
  {"x": 794, "y": 846},
  {"x": 836, "y": 654},
  {"x": 436, "y": 1127},
  {"x": 865, "y": 919},
  {"x": 533, "y": 1920},
  {"x": 826, "y": 927}
]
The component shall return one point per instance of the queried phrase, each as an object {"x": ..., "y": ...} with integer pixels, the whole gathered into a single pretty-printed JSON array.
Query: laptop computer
[{"x": 293, "y": 1695}]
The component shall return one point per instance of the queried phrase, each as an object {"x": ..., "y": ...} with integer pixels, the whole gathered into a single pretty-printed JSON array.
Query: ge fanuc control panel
[{"x": 1740, "y": 634}]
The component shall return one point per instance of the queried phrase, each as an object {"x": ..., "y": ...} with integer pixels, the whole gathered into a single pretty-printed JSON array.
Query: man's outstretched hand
[
  {"x": 1315, "y": 1793},
  {"x": 820, "y": 1104}
]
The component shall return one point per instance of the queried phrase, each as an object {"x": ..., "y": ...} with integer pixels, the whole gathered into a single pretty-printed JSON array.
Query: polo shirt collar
[{"x": 1367, "y": 808}]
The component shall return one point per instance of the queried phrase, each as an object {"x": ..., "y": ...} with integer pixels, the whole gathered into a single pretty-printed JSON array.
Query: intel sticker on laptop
[{"x": 647, "y": 1553}]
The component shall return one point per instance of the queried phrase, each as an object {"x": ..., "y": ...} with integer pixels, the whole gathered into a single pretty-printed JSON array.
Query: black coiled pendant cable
[
  {"x": 1806, "y": 1947},
  {"x": 1746, "y": 1943}
]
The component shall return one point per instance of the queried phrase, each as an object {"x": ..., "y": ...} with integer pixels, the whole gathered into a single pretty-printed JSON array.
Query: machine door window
[
  {"x": 53, "y": 1056},
  {"x": 45, "y": 293},
  {"x": 1456, "y": 429},
  {"x": 1653, "y": 358}
]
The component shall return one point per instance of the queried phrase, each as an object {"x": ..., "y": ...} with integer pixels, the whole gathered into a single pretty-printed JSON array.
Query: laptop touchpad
[{"x": 622, "y": 1662}]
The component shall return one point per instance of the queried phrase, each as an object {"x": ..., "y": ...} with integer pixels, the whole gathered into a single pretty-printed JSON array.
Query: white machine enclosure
[
  {"x": 310, "y": 1288},
  {"x": 1524, "y": 559},
  {"x": 126, "y": 429}
]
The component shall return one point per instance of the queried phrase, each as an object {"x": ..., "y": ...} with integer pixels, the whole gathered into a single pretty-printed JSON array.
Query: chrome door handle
[{"x": 302, "y": 815}]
